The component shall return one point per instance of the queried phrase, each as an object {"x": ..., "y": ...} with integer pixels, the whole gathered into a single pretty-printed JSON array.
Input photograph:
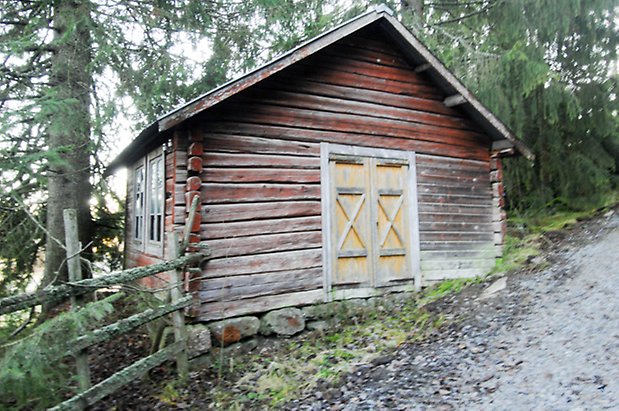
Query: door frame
[{"x": 326, "y": 150}]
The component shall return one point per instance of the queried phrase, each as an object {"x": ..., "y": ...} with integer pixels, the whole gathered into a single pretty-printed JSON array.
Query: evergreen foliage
[
  {"x": 32, "y": 371},
  {"x": 548, "y": 69}
]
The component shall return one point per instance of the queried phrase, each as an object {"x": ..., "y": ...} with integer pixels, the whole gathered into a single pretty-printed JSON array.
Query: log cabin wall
[{"x": 261, "y": 210}]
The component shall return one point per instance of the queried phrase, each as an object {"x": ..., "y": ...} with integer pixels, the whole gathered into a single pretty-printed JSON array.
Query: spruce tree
[
  {"x": 70, "y": 67},
  {"x": 545, "y": 67}
]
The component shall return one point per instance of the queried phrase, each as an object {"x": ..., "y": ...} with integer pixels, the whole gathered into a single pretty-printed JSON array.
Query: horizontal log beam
[
  {"x": 61, "y": 292},
  {"x": 454, "y": 100},
  {"x": 125, "y": 325},
  {"x": 123, "y": 377}
]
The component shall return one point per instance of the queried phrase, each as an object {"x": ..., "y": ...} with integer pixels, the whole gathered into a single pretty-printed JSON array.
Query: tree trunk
[{"x": 68, "y": 131}]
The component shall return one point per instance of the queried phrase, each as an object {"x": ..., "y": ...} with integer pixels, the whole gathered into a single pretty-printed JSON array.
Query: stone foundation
[{"x": 234, "y": 334}]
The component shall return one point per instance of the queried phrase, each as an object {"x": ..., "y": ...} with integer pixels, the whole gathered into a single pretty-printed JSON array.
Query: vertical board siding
[{"x": 261, "y": 188}]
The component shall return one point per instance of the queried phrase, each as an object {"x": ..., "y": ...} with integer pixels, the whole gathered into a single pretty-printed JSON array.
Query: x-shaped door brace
[
  {"x": 390, "y": 219},
  {"x": 351, "y": 223}
]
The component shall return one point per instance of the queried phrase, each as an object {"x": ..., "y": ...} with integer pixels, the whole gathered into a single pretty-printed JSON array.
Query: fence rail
[{"x": 78, "y": 287}]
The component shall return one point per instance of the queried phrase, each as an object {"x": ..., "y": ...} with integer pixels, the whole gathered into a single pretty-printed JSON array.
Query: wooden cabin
[{"x": 353, "y": 165}]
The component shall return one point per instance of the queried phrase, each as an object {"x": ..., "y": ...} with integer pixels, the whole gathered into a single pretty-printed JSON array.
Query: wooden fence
[{"x": 77, "y": 288}]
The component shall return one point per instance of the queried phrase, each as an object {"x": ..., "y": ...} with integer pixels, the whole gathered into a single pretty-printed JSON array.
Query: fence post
[
  {"x": 73, "y": 247},
  {"x": 178, "y": 317}
]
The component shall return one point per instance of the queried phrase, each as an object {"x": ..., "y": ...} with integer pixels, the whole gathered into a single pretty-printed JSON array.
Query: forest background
[{"x": 76, "y": 74}]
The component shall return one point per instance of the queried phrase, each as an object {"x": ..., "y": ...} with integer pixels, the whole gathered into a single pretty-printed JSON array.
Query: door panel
[
  {"x": 370, "y": 221},
  {"x": 392, "y": 228},
  {"x": 351, "y": 222}
]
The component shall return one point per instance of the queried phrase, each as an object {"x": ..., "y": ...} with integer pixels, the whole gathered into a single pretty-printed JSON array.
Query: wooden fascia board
[
  {"x": 299, "y": 53},
  {"x": 444, "y": 73}
]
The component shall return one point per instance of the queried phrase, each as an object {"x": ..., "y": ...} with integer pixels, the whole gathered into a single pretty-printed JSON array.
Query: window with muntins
[
  {"x": 149, "y": 203},
  {"x": 139, "y": 200},
  {"x": 156, "y": 194}
]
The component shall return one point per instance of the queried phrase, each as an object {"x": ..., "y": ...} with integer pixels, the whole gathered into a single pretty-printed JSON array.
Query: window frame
[
  {"x": 153, "y": 196},
  {"x": 137, "y": 233}
]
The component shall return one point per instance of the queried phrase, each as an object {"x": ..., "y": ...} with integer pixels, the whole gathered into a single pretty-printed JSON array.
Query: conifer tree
[
  {"x": 548, "y": 69},
  {"x": 70, "y": 67}
]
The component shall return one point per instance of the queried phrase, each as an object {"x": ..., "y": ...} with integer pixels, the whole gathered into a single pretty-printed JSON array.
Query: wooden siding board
[
  {"x": 351, "y": 136},
  {"x": 249, "y": 286},
  {"x": 281, "y": 261},
  {"x": 259, "y": 175},
  {"x": 254, "y": 160},
  {"x": 218, "y": 310},
  {"x": 353, "y": 93},
  {"x": 240, "y": 193},
  {"x": 267, "y": 243},
  {"x": 221, "y": 142},
  {"x": 348, "y": 106},
  {"x": 344, "y": 122},
  {"x": 255, "y": 227},
  {"x": 222, "y": 213}
]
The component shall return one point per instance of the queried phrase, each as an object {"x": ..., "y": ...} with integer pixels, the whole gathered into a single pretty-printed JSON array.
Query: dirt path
[{"x": 549, "y": 340}]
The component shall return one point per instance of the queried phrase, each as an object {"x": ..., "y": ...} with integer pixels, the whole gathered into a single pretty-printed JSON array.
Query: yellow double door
[{"x": 370, "y": 220}]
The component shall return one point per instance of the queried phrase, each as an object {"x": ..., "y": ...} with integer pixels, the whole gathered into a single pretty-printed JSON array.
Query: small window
[
  {"x": 156, "y": 195},
  {"x": 138, "y": 231},
  {"x": 149, "y": 203}
]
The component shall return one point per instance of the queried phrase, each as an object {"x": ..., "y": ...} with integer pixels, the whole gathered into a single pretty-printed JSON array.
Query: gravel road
[{"x": 548, "y": 341}]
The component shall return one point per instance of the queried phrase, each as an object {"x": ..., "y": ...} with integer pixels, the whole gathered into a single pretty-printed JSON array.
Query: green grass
[{"x": 358, "y": 335}]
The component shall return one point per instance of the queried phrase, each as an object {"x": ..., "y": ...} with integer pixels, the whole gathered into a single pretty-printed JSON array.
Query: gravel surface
[{"x": 549, "y": 340}]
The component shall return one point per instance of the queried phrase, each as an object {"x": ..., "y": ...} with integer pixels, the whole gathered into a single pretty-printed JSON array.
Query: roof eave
[{"x": 496, "y": 128}]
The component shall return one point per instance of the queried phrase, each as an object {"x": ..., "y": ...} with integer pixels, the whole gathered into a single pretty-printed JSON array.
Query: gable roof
[{"x": 418, "y": 55}]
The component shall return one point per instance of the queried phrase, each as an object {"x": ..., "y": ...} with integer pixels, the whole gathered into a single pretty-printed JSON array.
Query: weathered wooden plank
[
  {"x": 259, "y": 175},
  {"x": 74, "y": 267},
  {"x": 175, "y": 248},
  {"x": 456, "y": 226},
  {"x": 350, "y": 123},
  {"x": 224, "y": 213},
  {"x": 368, "y": 55},
  {"x": 239, "y": 193},
  {"x": 426, "y": 208},
  {"x": 350, "y": 137},
  {"x": 455, "y": 236},
  {"x": 254, "y": 227},
  {"x": 332, "y": 75},
  {"x": 254, "y": 160},
  {"x": 126, "y": 324},
  {"x": 241, "y": 287},
  {"x": 263, "y": 263},
  {"x": 347, "y": 106},
  {"x": 474, "y": 189},
  {"x": 305, "y": 85},
  {"x": 425, "y": 176},
  {"x": 463, "y": 245},
  {"x": 439, "y": 162},
  {"x": 218, "y": 310},
  {"x": 221, "y": 142},
  {"x": 454, "y": 199},
  {"x": 457, "y": 254},
  {"x": 60, "y": 292},
  {"x": 123, "y": 377},
  {"x": 457, "y": 218},
  {"x": 232, "y": 247},
  {"x": 350, "y": 64},
  {"x": 370, "y": 42}
]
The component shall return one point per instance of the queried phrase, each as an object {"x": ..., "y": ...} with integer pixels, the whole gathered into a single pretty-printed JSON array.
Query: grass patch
[{"x": 359, "y": 334}]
